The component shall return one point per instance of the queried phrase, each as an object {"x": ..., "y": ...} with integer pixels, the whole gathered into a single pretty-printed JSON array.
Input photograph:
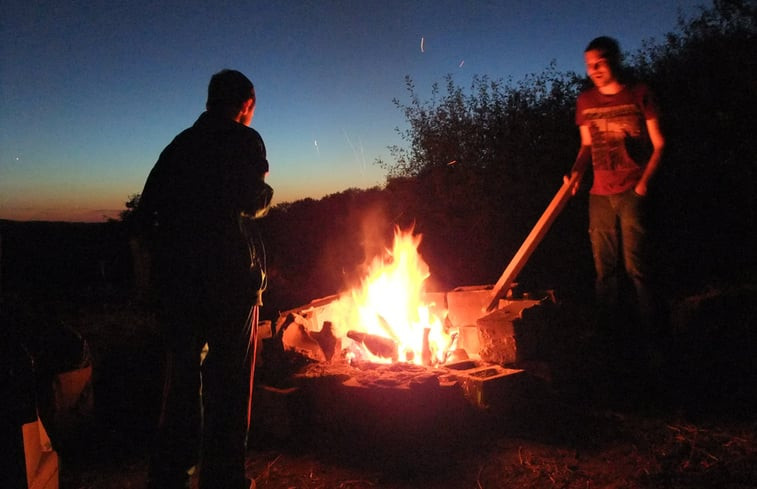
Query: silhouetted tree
[{"x": 131, "y": 205}]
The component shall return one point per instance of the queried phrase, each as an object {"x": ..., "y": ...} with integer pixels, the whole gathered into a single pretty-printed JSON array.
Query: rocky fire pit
[{"x": 304, "y": 387}]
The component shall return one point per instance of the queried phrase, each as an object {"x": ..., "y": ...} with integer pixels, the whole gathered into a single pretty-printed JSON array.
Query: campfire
[
  {"x": 388, "y": 331},
  {"x": 388, "y": 317}
]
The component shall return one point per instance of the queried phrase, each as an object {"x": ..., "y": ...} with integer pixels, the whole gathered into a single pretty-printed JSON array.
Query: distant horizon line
[{"x": 94, "y": 216}]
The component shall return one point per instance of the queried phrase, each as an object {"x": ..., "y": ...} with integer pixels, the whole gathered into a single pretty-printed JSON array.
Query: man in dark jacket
[{"x": 197, "y": 216}]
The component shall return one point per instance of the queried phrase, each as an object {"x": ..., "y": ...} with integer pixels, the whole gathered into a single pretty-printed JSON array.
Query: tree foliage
[
  {"x": 495, "y": 125},
  {"x": 130, "y": 205},
  {"x": 705, "y": 75}
]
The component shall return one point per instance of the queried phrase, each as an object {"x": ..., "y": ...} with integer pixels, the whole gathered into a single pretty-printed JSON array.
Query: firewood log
[
  {"x": 326, "y": 339},
  {"x": 377, "y": 345}
]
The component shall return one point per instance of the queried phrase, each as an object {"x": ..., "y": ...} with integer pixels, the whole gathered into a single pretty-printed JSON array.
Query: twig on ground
[
  {"x": 358, "y": 482},
  {"x": 267, "y": 472}
]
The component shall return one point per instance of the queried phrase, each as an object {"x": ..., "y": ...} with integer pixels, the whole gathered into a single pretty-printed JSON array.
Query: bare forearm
[
  {"x": 583, "y": 160},
  {"x": 658, "y": 142},
  {"x": 649, "y": 172}
]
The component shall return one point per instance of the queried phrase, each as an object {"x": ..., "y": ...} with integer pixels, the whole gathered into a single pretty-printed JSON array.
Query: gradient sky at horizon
[{"x": 91, "y": 92}]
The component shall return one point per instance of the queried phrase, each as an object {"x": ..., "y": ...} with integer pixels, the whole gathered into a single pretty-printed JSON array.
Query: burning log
[
  {"x": 297, "y": 337},
  {"x": 425, "y": 348},
  {"x": 326, "y": 339},
  {"x": 377, "y": 345}
]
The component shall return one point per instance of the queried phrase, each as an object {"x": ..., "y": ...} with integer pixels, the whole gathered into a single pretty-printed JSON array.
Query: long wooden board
[{"x": 532, "y": 240}]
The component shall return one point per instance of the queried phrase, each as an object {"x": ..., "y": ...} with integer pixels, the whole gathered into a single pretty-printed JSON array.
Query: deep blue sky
[{"x": 92, "y": 91}]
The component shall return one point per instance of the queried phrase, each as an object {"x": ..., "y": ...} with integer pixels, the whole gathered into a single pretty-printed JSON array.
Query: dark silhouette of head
[
  {"x": 228, "y": 91},
  {"x": 610, "y": 50}
]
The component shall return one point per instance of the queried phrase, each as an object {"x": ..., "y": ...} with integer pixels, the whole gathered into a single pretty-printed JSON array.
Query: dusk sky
[{"x": 92, "y": 91}]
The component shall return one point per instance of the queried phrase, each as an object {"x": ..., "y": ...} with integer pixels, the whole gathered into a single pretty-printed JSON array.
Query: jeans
[{"x": 617, "y": 230}]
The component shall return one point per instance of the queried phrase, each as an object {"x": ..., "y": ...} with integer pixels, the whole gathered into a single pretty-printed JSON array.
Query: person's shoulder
[
  {"x": 251, "y": 131},
  {"x": 587, "y": 95},
  {"x": 644, "y": 96},
  {"x": 186, "y": 132},
  {"x": 250, "y": 139},
  {"x": 641, "y": 93},
  {"x": 250, "y": 134},
  {"x": 639, "y": 87},
  {"x": 182, "y": 140},
  {"x": 179, "y": 140},
  {"x": 588, "y": 91}
]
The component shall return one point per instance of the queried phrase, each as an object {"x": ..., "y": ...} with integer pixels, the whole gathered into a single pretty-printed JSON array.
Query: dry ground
[{"x": 605, "y": 450}]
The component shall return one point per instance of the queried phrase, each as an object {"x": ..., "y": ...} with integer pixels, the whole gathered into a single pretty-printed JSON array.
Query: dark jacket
[{"x": 197, "y": 211}]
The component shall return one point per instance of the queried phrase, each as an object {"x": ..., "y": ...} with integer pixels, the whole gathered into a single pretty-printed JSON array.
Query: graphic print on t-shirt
[{"x": 614, "y": 131}]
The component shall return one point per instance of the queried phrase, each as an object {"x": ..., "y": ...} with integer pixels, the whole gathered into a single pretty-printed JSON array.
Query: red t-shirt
[{"x": 620, "y": 145}]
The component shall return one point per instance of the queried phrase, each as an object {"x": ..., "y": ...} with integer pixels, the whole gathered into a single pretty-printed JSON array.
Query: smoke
[{"x": 376, "y": 231}]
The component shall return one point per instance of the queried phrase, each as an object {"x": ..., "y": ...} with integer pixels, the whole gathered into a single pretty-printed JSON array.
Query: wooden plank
[{"x": 532, "y": 240}]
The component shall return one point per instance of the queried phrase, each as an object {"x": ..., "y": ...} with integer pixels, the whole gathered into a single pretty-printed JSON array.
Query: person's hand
[{"x": 574, "y": 188}]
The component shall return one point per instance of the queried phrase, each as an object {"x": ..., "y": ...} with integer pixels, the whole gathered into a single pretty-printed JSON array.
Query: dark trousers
[
  {"x": 617, "y": 229},
  {"x": 206, "y": 406}
]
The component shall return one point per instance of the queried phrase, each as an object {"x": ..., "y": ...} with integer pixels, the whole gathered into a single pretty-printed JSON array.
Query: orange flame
[{"x": 389, "y": 304}]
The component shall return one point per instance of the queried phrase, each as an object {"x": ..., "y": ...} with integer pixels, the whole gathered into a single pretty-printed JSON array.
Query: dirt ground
[
  {"x": 559, "y": 446},
  {"x": 603, "y": 414}
]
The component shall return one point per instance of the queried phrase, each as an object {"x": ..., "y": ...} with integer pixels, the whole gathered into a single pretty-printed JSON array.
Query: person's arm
[
  {"x": 256, "y": 194},
  {"x": 583, "y": 159},
  {"x": 658, "y": 143}
]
